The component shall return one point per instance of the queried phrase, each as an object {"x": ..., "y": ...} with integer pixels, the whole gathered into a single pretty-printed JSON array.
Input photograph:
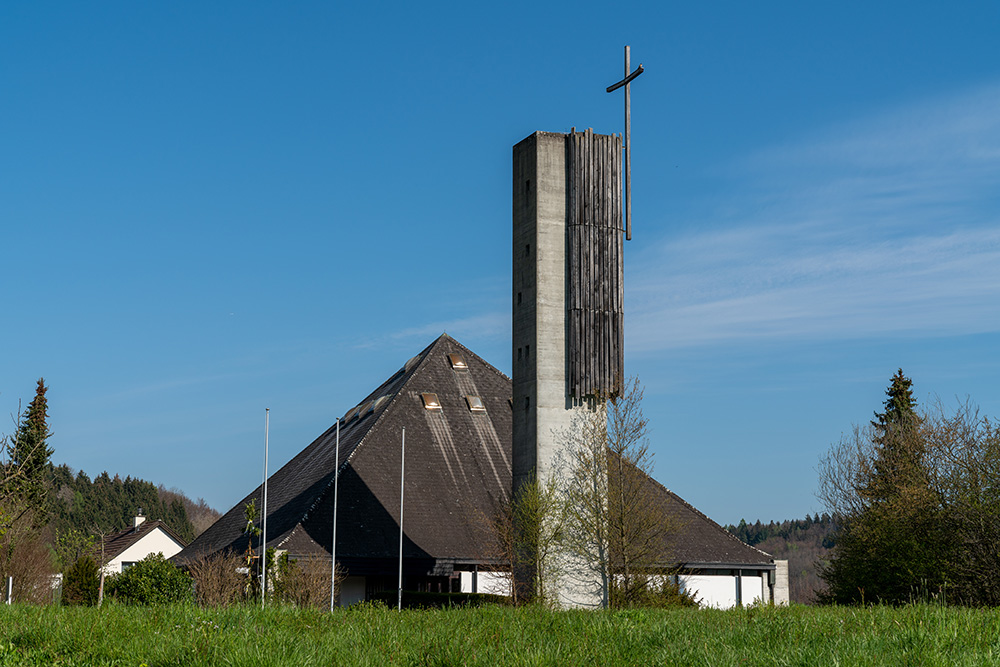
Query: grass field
[{"x": 188, "y": 635}]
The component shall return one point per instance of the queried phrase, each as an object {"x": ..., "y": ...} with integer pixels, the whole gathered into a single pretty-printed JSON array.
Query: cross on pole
[{"x": 627, "y": 144}]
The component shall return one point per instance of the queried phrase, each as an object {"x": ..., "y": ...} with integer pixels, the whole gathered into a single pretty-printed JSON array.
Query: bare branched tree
[
  {"x": 637, "y": 526},
  {"x": 583, "y": 481},
  {"x": 25, "y": 556},
  {"x": 520, "y": 539},
  {"x": 614, "y": 522}
]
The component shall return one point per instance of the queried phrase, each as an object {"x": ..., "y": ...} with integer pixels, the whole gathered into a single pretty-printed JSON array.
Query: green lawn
[{"x": 187, "y": 635}]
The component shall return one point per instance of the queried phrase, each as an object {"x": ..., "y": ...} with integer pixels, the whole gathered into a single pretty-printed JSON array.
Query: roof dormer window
[
  {"x": 475, "y": 404},
  {"x": 458, "y": 362},
  {"x": 431, "y": 401}
]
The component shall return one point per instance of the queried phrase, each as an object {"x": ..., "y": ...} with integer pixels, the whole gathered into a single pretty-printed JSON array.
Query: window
[
  {"x": 475, "y": 404},
  {"x": 431, "y": 401},
  {"x": 126, "y": 564},
  {"x": 411, "y": 363},
  {"x": 458, "y": 362}
]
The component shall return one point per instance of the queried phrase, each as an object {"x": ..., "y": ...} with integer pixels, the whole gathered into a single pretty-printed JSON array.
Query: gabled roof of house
[
  {"x": 694, "y": 540},
  {"x": 116, "y": 543},
  {"x": 458, "y": 469}
]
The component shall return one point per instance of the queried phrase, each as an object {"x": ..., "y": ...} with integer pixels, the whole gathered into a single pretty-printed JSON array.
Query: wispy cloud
[
  {"x": 890, "y": 225},
  {"x": 484, "y": 325}
]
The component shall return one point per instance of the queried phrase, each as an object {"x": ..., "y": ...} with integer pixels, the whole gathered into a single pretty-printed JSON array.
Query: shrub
[
  {"x": 304, "y": 582},
  {"x": 654, "y": 592},
  {"x": 81, "y": 583},
  {"x": 25, "y": 556},
  {"x": 153, "y": 580},
  {"x": 415, "y": 600},
  {"x": 218, "y": 581}
]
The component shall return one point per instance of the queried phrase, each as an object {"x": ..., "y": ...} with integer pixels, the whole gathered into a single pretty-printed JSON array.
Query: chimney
[{"x": 139, "y": 518}]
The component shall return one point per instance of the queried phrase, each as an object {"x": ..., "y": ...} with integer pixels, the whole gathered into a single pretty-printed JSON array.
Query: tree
[
  {"x": 81, "y": 583},
  {"x": 636, "y": 524},
  {"x": 522, "y": 537},
  {"x": 614, "y": 523},
  {"x": 899, "y": 451},
  {"x": 24, "y": 554},
  {"x": 23, "y": 486},
  {"x": 964, "y": 448},
  {"x": 252, "y": 561},
  {"x": 892, "y": 544}
]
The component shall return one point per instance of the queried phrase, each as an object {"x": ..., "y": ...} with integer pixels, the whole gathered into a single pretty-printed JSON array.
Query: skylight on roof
[
  {"x": 458, "y": 362},
  {"x": 431, "y": 401},
  {"x": 475, "y": 404}
]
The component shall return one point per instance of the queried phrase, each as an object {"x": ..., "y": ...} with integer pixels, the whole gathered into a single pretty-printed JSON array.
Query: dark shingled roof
[
  {"x": 458, "y": 465},
  {"x": 116, "y": 543}
]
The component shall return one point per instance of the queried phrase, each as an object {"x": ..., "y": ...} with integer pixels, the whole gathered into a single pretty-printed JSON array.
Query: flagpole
[
  {"x": 333, "y": 548},
  {"x": 402, "y": 466},
  {"x": 263, "y": 537}
]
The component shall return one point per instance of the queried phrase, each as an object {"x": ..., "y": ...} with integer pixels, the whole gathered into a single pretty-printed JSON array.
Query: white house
[{"x": 123, "y": 549}]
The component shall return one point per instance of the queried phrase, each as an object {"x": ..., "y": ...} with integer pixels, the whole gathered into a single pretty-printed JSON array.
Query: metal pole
[
  {"x": 402, "y": 466},
  {"x": 628, "y": 150},
  {"x": 263, "y": 535},
  {"x": 333, "y": 548},
  {"x": 10, "y": 589}
]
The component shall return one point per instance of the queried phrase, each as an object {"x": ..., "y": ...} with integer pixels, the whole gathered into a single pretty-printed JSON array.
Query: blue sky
[{"x": 210, "y": 210}]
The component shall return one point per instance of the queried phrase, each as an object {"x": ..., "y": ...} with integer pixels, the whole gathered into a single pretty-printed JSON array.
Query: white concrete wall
[
  {"x": 753, "y": 589},
  {"x": 711, "y": 590},
  {"x": 493, "y": 583},
  {"x": 155, "y": 541},
  {"x": 719, "y": 590},
  {"x": 781, "y": 595},
  {"x": 543, "y": 413}
]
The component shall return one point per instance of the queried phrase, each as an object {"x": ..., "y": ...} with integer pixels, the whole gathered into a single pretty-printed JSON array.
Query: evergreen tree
[
  {"x": 81, "y": 582},
  {"x": 891, "y": 546},
  {"x": 900, "y": 451},
  {"x": 28, "y": 458}
]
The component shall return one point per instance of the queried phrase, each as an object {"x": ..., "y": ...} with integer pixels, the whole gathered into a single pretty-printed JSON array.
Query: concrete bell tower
[{"x": 567, "y": 297}]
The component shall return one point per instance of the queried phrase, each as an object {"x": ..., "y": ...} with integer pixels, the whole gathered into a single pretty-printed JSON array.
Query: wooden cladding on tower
[{"x": 594, "y": 264}]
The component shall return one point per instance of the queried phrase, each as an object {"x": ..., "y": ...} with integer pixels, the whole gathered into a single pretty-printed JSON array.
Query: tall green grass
[{"x": 188, "y": 635}]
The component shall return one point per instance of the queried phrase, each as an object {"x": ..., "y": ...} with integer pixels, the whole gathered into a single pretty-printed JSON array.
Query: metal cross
[{"x": 627, "y": 144}]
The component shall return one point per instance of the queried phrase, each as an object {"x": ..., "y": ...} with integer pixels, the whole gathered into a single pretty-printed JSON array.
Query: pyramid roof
[
  {"x": 458, "y": 468},
  {"x": 457, "y": 464}
]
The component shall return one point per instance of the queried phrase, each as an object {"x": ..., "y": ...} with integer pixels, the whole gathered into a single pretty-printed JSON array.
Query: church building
[{"x": 457, "y": 412}]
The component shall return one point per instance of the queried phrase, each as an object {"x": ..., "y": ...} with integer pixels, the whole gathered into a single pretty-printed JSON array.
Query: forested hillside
[
  {"x": 802, "y": 542},
  {"x": 79, "y": 507}
]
